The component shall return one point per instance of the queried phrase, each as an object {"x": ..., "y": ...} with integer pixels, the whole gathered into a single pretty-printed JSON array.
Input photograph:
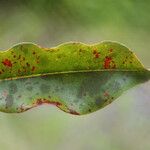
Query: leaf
[{"x": 77, "y": 78}]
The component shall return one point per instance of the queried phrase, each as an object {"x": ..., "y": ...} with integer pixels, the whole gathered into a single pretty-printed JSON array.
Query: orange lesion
[
  {"x": 6, "y": 62},
  {"x": 96, "y": 53},
  {"x": 41, "y": 101},
  {"x": 107, "y": 62}
]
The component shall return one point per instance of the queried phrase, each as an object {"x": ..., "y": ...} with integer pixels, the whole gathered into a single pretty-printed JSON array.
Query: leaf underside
[{"x": 77, "y": 78}]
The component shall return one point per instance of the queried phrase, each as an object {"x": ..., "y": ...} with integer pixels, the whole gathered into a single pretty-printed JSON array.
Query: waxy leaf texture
[{"x": 75, "y": 77}]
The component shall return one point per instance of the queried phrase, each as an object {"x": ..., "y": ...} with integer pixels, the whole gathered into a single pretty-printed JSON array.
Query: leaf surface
[{"x": 75, "y": 77}]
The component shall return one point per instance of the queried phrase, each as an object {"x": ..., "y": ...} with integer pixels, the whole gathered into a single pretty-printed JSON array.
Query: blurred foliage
[
  {"x": 122, "y": 125},
  {"x": 51, "y": 22}
]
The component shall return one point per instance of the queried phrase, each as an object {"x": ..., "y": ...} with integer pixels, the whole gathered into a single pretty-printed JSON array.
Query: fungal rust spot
[
  {"x": 96, "y": 53},
  {"x": 33, "y": 68},
  {"x": 45, "y": 101},
  {"x": 7, "y": 63},
  {"x": 107, "y": 62},
  {"x": 28, "y": 64},
  {"x": 111, "y": 50}
]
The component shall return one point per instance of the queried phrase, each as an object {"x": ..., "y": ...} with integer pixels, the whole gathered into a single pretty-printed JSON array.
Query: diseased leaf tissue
[{"x": 77, "y": 78}]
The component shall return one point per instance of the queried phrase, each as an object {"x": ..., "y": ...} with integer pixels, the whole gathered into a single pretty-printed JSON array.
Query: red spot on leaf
[
  {"x": 96, "y": 53},
  {"x": 7, "y": 63},
  {"x": 107, "y": 62}
]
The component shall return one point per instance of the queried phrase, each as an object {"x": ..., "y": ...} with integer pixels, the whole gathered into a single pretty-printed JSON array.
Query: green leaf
[{"x": 77, "y": 78}]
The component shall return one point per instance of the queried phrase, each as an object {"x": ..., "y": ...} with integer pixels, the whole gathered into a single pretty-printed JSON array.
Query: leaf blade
[
  {"x": 77, "y": 83},
  {"x": 29, "y": 59}
]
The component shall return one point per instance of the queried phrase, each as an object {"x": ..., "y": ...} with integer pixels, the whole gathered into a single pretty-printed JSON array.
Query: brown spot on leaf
[
  {"x": 33, "y": 68},
  {"x": 73, "y": 112},
  {"x": 96, "y": 54},
  {"x": 106, "y": 94},
  {"x": 41, "y": 101},
  {"x": 28, "y": 64},
  {"x": 19, "y": 57},
  {"x": 34, "y": 53},
  {"x": 111, "y": 50}
]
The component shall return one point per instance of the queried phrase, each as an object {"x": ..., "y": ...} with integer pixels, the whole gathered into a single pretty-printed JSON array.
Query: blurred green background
[{"x": 123, "y": 125}]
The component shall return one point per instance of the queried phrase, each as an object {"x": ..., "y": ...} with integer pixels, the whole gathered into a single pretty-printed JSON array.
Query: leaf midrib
[{"x": 79, "y": 71}]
